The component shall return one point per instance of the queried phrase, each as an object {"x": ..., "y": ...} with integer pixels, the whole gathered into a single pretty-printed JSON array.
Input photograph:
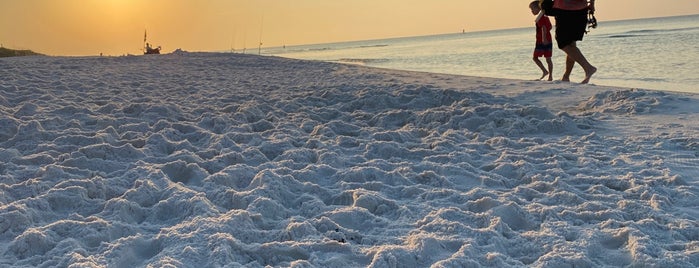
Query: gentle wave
[
  {"x": 361, "y": 61},
  {"x": 650, "y": 32},
  {"x": 324, "y": 48}
]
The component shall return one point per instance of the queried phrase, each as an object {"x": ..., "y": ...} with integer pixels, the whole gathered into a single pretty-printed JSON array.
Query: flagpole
[
  {"x": 145, "y": 34},
  {"x": 262, "y": 22}
]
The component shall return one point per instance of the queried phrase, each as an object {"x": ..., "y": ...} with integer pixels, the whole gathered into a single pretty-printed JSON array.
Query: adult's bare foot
[{"x": 588, "y": 75}]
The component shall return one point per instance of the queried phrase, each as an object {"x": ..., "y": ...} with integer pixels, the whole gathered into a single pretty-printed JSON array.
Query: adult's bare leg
[
  {"x": 570, "y": 63},
  {"x": 576, "y": 55}
]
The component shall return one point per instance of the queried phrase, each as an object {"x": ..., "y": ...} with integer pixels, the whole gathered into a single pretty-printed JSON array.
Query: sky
[{"x": 116, "y": 27}]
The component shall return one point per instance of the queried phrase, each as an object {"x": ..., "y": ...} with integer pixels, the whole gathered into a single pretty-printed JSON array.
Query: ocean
[{"x": 653, "y": 53}]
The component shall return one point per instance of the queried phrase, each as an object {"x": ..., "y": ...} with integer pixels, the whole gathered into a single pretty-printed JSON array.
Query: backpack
[{"x": 547, "y": 7}]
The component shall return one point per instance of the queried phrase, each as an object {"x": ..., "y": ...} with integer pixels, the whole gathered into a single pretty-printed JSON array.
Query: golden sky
[{"x": 116, "y": 27}]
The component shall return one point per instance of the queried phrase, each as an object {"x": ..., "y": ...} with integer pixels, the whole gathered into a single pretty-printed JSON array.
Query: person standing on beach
[
  {"x": 571, "y": 23},
  {"x": 544, "y": 45}
]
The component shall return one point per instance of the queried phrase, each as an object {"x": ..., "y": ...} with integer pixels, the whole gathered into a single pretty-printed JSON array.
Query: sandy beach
[{"x": 232, "y": 160}]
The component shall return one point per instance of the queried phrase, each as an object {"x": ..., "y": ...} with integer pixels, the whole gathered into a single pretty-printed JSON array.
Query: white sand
[{"x": 212, "y": 160}]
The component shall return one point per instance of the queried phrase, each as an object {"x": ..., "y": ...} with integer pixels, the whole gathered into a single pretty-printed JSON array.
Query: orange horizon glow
[{"x": 115, "y": 27}]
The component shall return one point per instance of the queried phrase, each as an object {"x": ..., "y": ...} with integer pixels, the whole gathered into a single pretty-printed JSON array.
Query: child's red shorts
[{"x": 543, "y": 50}]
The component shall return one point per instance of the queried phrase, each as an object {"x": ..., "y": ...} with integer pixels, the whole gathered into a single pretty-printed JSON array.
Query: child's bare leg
[
  {"x": 541, "y": 66},
  {"x": 550, "y": 65}
]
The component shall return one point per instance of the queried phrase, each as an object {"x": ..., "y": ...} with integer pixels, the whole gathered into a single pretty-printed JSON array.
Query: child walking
[{"x": 544, "y": 45}]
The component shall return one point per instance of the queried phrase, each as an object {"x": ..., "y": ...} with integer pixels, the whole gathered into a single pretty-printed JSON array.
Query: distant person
[
  {"x": 544, "y": 43},
  {"x": 151, "y": 50},
  {"x": 571, "y": 23}
]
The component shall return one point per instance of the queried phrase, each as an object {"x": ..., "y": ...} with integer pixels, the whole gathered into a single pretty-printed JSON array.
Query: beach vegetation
[{"x": 6, "y": 52}]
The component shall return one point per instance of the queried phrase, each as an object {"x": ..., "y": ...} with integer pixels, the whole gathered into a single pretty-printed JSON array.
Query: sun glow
[{"x": 117, "y": 5}]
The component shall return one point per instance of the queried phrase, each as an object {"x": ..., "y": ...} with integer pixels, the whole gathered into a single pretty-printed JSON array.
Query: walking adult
[{"x": 571, "y": 23}]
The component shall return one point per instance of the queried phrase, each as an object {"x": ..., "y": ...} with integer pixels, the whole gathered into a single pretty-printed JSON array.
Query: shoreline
[{"x": 182, "y": 53}]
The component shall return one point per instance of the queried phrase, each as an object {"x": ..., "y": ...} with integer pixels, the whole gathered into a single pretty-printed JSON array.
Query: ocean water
[{"x": 654, "y": 53}]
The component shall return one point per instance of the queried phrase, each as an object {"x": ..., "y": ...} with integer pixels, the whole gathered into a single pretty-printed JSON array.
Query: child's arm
[{"x": 546, "y": 31}]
